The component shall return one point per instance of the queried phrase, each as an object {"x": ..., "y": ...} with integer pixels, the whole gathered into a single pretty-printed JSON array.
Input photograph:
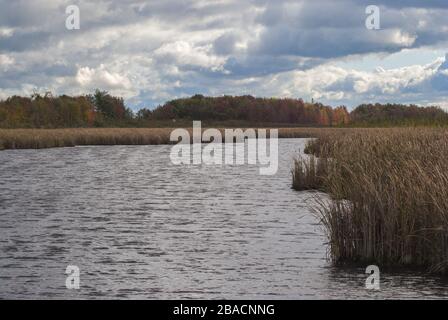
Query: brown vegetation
[
  {"x": 50, "y": 138},
  {"x": 104, "y": 110},
  {"x": 389, "y": 191},
  {"x": 308, "y": 173}
]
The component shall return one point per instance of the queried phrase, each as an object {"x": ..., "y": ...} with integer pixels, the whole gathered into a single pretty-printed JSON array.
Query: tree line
[
  {"x": 398, "y": 115},
  {"x": 101, "y": 109},
  {"x": 249, "y": 109},
  {"x": 47, "y": 111}
]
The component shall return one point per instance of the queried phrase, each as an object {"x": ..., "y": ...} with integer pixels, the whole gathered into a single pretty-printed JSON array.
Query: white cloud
[
  {"x": 6, "y": 32},
  {"x": 6, "y": 61},
  {"x": 101, "y": 78},
  {"x": 185, "y": 53},
  {"x": 332, "y": 83},
  {"x": 401, "y": 38}
]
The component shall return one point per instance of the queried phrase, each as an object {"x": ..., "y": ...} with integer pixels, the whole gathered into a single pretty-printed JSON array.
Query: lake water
[{"x": 139, "y": 227}]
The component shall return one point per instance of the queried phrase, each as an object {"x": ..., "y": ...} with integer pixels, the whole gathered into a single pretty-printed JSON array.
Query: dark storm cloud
[{"x": 331, "y": 29}]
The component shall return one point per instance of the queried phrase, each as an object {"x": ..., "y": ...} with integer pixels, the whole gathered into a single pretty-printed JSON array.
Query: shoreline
[{"x": 70, "y": 137}]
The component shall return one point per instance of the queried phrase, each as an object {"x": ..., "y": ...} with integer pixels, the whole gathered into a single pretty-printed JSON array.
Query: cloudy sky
[{"x": 153, "y": 51}]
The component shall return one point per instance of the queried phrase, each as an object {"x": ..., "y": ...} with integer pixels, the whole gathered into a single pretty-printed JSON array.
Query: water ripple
[{"x": 139, "y": 227}]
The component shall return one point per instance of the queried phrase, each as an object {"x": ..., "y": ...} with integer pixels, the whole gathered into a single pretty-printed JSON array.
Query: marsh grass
[
  {"x": 308, "y": 173},
  {"x": 389, "y": 196},
  {"x": 51, "y": 138}
]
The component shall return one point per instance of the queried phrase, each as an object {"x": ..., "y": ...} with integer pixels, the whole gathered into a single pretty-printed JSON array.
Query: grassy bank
[
  {"x": 389, "y": 191},
  {"x": 50, "y": 138}
]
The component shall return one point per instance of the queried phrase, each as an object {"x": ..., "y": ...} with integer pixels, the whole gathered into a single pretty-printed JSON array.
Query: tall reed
[
  {"x": 308, "y": 173},
  {"x": 50, "y": 138},
  {"x": 389, "y": 196}
]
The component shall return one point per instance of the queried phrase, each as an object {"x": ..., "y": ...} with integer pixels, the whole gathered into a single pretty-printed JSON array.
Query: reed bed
[
  {"x": 309, "y": 173},
  {"x": 388, "y": 193},
  {"x": 51, "y": 138}
]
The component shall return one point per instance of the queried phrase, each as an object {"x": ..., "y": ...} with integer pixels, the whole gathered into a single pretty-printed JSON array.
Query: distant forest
[{"x": 104, "y": 110}]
